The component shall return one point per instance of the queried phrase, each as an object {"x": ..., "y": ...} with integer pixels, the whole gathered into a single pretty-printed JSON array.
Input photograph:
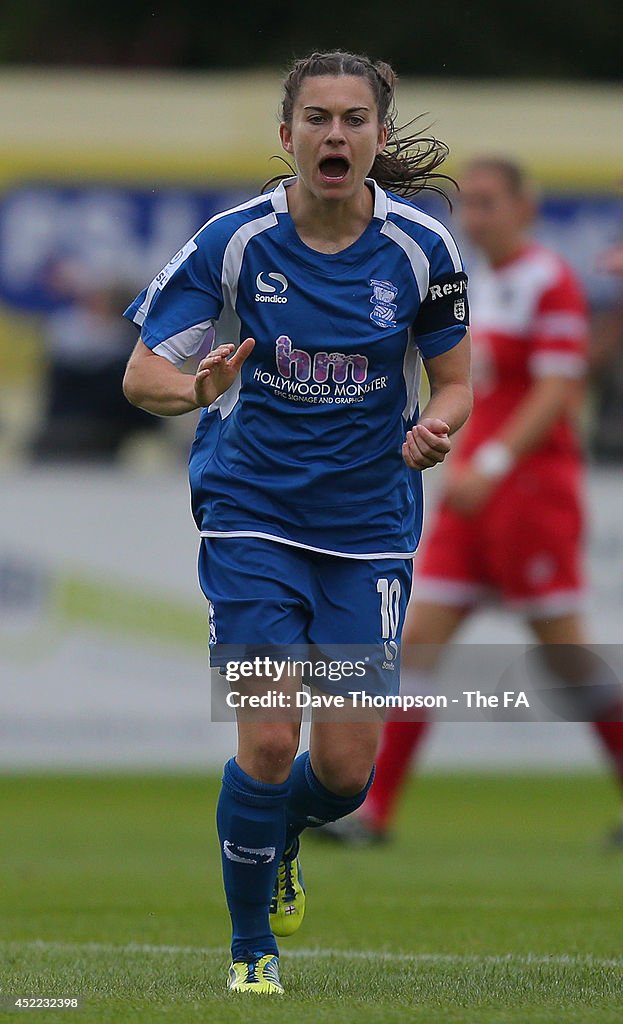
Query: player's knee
[
  {"x": 346, "y": 777},
  {"x": 274, "y": 749}
]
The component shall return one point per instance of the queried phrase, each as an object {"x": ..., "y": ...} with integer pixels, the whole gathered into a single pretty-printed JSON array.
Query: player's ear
[
  {"x": 285, "y": 134},
  {"x": 381, "y": 142}
]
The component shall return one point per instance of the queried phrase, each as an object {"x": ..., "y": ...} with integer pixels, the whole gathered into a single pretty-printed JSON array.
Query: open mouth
[{"x": 334, "y": 168}]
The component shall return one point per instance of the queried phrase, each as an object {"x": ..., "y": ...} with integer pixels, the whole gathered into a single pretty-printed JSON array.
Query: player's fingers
[
  {"x": 437, "y": 442},
  {"x": 417, "y": 463},
  {"x": 216, "y": 356},
  {"x": 410, "y": 445},
  {"x": 421, "y": 443},
  {"x": 241, "y": 353},
  {"x": 428, "y": 452},
  {"x": 408, "y": 458},
  {"x": 414, "y": 456},
  {"x": 435, "y": 426},
  {"x": 416, "y": 450}
]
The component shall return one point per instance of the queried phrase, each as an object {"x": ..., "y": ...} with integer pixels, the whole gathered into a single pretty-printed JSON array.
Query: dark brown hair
[
  {"x": 408, "y": 163},
  {"x": 513, "y": 174}
]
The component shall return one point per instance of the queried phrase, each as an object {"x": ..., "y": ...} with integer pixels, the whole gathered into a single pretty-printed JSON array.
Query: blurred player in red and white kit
[{"x": 510, "y": 521}]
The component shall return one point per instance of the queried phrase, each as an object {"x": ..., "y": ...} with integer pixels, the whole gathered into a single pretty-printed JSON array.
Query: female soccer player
[{"x": 306, "y": 467}]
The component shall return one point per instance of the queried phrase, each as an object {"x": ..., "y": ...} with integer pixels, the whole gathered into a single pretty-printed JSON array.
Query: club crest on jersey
[
  {"x": 459, "y": 309},
  {"x": 267, "y": 292},
  {"x": 383, "y": 296}
]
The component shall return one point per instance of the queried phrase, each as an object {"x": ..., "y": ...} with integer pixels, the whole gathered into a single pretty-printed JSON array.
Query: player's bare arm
[
  {"x": 449, "y": 374},
  {"x": 156, "y": 385},
  {"x": 547, "y": 400}
]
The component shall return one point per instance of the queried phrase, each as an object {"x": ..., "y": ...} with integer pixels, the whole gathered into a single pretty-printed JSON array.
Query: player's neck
[
  {"x": 506, "y": 252},
  {"x": 329, "y": 225}
]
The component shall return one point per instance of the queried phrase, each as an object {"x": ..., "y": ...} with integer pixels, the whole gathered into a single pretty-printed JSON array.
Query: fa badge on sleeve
[{"x": 459, "y": 309}]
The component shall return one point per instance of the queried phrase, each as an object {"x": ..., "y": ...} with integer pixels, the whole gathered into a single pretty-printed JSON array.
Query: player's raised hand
[
  {"x": 426, "y": 444},
  {"x": 218, "y": 370}
]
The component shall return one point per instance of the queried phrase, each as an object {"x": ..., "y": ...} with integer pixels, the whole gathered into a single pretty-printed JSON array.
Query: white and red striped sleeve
[{"x": 560, "y": 330}]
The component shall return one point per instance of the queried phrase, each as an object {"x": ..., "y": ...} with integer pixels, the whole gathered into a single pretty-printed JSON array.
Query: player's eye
[
  {"x": 355, "y": 120},
  {"x": 316, "y": 118}
]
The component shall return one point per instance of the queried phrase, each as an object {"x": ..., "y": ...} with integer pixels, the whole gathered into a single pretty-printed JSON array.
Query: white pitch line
[{"x": 525, "y": 959}]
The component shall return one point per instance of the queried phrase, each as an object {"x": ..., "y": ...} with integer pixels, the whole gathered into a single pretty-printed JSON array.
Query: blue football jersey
[{"x": 305, "y": 447}]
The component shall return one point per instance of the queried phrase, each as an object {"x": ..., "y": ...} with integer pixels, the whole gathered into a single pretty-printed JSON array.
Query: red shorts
[{"x": 523, "y": 548}]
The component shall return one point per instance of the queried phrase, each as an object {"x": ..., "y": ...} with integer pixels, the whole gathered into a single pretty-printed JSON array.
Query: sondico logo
[{"x": 267, "y": 292}]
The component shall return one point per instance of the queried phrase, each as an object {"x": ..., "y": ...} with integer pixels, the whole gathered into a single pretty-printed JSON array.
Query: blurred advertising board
[{"x": 123, "y": 235}]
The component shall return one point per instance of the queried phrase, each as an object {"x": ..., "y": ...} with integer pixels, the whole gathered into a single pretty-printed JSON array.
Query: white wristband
[{"x": 493, "y": 459}]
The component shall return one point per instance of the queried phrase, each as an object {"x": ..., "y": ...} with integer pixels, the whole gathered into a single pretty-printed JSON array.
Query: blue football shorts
[{"x": 267, "y": 597}]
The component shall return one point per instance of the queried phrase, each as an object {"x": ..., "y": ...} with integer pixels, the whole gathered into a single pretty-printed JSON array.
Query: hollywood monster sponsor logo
[
  {"x": 325, "y": 378},
  {"x": 324, "y": 365}
]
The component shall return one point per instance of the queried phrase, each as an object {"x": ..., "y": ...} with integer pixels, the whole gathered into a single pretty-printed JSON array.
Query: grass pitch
[{"x": 497, "y": 903}]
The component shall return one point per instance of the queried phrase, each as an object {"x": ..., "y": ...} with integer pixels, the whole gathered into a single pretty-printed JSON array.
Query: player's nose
[{"x": 335, "y": 131}]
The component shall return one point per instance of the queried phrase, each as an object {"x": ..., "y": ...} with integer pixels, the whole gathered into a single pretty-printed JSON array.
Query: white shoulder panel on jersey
[
  {"x": 234, "y": 253},
  {"x": 415, "y": 254},
  {"x": 161, "y": 279},
  {"x": 419, "y": 217},
  {"x": 506, "y": 300},
  {"x": 536, "y": 271}
]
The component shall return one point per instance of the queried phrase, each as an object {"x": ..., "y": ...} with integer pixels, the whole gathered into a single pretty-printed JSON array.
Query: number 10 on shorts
[{"x": 390, "y": 613}]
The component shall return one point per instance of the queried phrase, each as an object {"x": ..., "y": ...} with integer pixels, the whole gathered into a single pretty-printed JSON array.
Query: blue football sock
[
  {"x": 251, "y": 822},
  {"x": 311, "y": 804}
]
